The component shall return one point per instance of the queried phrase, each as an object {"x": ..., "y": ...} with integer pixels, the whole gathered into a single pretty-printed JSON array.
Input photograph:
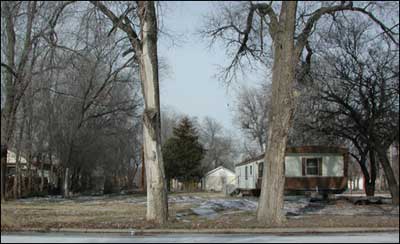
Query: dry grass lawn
[{"x": 129, "y": 212}]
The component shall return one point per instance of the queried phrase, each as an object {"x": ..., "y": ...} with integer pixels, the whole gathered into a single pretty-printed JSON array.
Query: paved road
[{"x": 210, "y": 238}]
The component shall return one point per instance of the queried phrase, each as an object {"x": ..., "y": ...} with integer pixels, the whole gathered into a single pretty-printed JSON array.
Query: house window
[
  {"x": 245, "y": 173},
  {"x": 313, "y": 166},
  {"x": 251, "y": 169}
]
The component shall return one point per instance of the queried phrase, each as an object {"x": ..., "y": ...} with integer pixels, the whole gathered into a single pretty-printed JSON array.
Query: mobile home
[{"x": 307, "y": 168}]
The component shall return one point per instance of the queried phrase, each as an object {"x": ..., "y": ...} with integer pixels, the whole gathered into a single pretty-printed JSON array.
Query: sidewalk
[{"x": 281, "y": 231}]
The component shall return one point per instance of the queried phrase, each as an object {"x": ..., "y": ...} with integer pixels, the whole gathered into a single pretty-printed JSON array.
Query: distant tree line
[{"x": 68, "y": 99}]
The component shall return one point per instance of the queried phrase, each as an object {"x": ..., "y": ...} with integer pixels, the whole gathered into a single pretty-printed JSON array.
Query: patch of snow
[
  {"x": 136, "y": 200},
  {"x": 304, "y": 206},
  {"x": 206, "y": 212},
  {"x": 185, "y": 199},
  {"x": 210, "y": 208}
]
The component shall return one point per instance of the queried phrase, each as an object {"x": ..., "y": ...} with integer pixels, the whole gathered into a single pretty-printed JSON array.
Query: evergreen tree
[{"x": 183, "y": 153}]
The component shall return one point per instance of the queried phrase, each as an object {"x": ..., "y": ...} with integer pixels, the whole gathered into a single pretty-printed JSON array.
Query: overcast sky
[{"x": 191, "y": 86}]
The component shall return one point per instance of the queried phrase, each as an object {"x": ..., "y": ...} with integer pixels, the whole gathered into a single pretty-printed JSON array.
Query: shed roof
[{"x": 216, "y": 169}]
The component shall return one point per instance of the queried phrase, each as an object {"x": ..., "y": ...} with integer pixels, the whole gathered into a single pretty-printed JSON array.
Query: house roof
[
  {"x": 301, "y": 149},
  {"x": 216, "y": 169},
  {"x": 250, "y": 160}
]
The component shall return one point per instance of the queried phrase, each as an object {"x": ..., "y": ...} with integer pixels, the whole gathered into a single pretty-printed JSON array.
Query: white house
[
  {"x": 48, "y": 172},
  {"x": 11, "y": 163},
  {"x": 218, "y": 178}
]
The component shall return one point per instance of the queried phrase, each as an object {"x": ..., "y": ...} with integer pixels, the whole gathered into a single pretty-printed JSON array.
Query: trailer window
[
  {"x": 251, "y": 169},
  {"x": 313, "y": 166},
  {"x": 245, "y": 173}
]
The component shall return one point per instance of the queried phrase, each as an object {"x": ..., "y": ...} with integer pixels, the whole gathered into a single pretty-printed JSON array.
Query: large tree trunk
[
  {"x": 280, "y": 118},
  {"x": 157, "y": 201},
  {"x": 143, "y": 174},
  {"x": 17, "y": 178},
  {"x": 4, "y": 151},
  {"x": 7, "y": 132},
  {"x": 145, "y": 50},
  {"x": 370, "y": 183},
  {"x": 30, "y": 173},
  {"x": 9, "y": 110},
  {"x": 15, "y": 78},
  {"x": 390, "y": 177}
]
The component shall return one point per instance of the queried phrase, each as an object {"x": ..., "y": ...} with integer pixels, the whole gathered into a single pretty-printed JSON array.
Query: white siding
[
  {"x": 213, "y": 183},
  {"x": 293, "y": 166},
  {"x": 12, "y": 158},
  {"x": 218, "y": 179},
  {"x": 332, "y": 165},
  {"x": 252, "y": 176}
]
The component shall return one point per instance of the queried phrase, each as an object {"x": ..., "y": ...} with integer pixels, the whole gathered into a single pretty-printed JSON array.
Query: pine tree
[{"x": 183, "y": 153}]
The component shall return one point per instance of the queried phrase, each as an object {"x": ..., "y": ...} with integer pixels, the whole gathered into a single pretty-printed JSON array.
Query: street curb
[{"x": 278, "y": 231}]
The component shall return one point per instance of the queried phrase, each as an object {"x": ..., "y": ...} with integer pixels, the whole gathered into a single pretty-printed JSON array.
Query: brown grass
[{"x": 112, "y": 213}]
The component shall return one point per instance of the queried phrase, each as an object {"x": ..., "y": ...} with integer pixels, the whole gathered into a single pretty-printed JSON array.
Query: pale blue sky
[{"x": 191, "y": 86}]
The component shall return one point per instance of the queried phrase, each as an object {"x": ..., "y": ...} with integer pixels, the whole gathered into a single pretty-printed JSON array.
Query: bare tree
[
  {"x": 169, "y": 120},
  {"x": 219, "y": 145},
  {"x": 242, "y": 29},
  {"x": 24, "y": 31},
  {"x": 357, "y": 81},
  {"x": 144, "y": 47},
  {"x": 251, "y": 113}
]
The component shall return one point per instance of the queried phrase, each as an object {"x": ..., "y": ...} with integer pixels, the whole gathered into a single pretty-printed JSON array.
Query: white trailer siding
[
  {"x": 247, "y": 181},
  {"x": 293, "y": 166},
  {"x": 332, "y": 166}
]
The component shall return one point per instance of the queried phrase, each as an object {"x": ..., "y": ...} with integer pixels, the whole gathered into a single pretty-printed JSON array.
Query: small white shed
[{"x": 218, "y": 178}]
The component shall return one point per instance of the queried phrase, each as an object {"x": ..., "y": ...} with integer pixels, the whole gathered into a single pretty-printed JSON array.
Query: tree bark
[
  {"x": 66, "y": 183},
  {"x": 390, "y": 178},
  {"x": 15, "y": 77},
  {"x": 17, "y": 178},
  {"x": 8, "y": 113},
  {"x": 370, "y": 183},
  {"x": 4, "y": 151},
  {"x": 42, "y": 175},
  {"x": 145, "y": 49},
  {"x": 157, "y": 201},
  {"x": 280, "y": 118},
  {"x": 143, "y": 176}
]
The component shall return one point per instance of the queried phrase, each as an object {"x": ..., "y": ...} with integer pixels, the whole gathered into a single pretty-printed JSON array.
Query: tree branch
[
  {"x": 117, "y": 22},
  {"x": 9, "y": 69},
  {"x": 311, "y": 22}
]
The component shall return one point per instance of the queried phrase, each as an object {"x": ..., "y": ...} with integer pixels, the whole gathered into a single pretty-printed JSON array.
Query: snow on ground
[
  {"x": 185, "y": 199},
  {"x": 307, "y": 206},
  {"x": 211, "y": 208}
]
